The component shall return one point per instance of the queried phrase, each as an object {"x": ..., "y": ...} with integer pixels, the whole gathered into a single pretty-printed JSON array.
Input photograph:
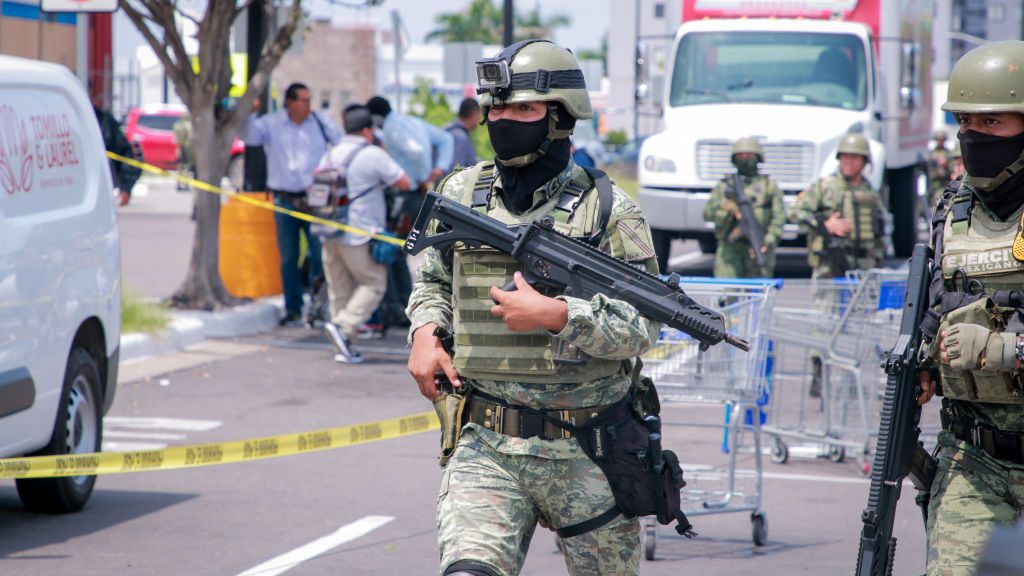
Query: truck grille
[{"x": 791, "y": 164}]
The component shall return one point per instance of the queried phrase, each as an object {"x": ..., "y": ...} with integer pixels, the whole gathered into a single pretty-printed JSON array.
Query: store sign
[{"x": 79, "y": 5}]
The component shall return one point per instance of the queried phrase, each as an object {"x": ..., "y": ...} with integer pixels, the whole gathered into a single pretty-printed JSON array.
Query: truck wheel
[
  {"x": 903, "y": 205},
  {"x": 662, "y": 240},
  {"x": 78, "y": 430},
  {"x": 708, "y": 245}
]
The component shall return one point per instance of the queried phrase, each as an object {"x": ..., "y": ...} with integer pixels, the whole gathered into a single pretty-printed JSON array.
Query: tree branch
[{"x": 172, "y": 68}]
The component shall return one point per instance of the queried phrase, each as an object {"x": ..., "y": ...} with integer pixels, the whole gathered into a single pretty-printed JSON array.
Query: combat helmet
[
  {"x": 987, "y": 80},
  {"x": 748, "y": 144},
  {"x": 854, "y": 144},
  {"x": 535, "y": 71},
  {"x": 531, "y": 71}
]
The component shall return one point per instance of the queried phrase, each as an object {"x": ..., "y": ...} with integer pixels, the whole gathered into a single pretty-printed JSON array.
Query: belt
[
  {"x": 288, "y": 192},
  {"x": 523, "y": 422},
  {"x": 999, "y": 444}
]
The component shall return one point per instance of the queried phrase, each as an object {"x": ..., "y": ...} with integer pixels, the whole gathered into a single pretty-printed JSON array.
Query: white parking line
[
  {"x": 346, "y": 533},
  {"x": 182, "y": 424}
]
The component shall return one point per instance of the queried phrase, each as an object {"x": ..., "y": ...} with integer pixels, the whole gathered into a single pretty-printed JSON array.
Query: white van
[{"x": 60, "y": 277}]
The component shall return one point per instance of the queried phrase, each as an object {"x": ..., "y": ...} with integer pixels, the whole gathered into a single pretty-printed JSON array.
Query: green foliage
[
  {"x": 482, "y": 21},
  {"x": 615, "y": 138},
  {"x": 432, "y": 107},
  {"x": 436, "y": 109},
  {"x": 138, "y": 315}
]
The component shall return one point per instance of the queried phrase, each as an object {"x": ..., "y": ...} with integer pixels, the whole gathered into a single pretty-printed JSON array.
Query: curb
[{"x": 188, "y": 328}]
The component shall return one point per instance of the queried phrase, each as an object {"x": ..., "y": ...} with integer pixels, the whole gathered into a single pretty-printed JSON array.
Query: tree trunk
[{"x": 203, "y": 288}]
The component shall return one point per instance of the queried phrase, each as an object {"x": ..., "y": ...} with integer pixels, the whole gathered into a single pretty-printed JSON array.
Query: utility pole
[
  {"x": 509, "y": 22},
  {"x": 255, "y": 159}
]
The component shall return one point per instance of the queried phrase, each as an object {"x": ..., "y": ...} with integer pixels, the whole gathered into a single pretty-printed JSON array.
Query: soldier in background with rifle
[
  {"x": 843, "y": 215},
  {"x": 747, "y": 211},
  {"x": 844, "y": 220}
]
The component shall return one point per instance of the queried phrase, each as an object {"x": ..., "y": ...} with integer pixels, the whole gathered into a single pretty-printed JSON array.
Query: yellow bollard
[{"x": 249, "y": 263}]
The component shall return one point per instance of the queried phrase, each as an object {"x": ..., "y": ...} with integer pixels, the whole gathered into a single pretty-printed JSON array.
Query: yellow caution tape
[
  {"x": 200, "y": 185},
  {"x": 99, "y": 463}
]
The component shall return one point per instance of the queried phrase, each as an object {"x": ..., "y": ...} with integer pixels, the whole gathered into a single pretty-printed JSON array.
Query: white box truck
[{"x": 797, "y": 75}]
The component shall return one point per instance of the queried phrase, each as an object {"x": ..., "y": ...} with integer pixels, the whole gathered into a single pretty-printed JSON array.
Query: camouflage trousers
[
  {"x": 732, "y": 260},
  {"x": 971, "y": 494},
  {"x": 490, "y": 503}
]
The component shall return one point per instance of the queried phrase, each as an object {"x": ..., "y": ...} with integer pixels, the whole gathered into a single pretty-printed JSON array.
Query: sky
[{"x": 589, "y": 20}]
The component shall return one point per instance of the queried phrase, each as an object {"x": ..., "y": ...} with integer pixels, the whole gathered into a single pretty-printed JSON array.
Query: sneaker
[
  {"x": 346, "y": 353},
  {"x": 290, "y": 319},
  {"x": 355, "y": 358}
]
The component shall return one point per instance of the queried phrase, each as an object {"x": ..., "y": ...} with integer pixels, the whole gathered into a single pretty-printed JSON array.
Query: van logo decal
[{"x": 16, "y": 170}]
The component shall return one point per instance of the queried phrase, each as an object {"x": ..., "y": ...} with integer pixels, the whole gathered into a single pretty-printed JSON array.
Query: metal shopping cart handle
[{"x": 561, "y": 262}]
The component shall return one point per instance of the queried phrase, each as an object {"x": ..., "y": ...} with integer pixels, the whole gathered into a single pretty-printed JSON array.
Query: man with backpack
[{"x": 356, "y": 281}]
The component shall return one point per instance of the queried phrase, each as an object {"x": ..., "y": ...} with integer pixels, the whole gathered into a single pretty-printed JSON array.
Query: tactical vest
[
  {"x": 977, "y": 263},
  {"x": 864, "y": 210},
  {"x": 484, "y": 346}
]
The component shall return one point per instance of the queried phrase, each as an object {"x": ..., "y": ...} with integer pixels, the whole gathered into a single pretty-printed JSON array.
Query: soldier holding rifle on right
[{"x": 975, "y": 321}]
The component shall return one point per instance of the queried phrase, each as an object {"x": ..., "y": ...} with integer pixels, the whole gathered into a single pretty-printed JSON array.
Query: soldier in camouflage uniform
[
  {"x": 975, "y": 318},
  {"x": 734, "y": 257},
  {"x": 524, "y": 353},
  {"x": 956, "y": 162},
  {"x": 939, "y": 167},
  {"x": 846, "y": 207}
]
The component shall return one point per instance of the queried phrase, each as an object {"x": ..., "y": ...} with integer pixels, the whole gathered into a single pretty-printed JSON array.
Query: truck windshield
[{"x": 772, "y": 67}]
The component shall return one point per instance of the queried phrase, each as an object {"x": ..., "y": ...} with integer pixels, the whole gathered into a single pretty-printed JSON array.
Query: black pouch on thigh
[{"x": 644, "y": 479}]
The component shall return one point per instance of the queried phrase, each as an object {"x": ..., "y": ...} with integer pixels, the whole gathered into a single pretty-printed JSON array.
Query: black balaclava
[
  {"x": 511, "y": 139},
  {"x": 985, "y": 157}
]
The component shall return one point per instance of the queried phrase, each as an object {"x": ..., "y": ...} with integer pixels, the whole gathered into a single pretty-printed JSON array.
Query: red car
[{"x": 151, "y": 128}]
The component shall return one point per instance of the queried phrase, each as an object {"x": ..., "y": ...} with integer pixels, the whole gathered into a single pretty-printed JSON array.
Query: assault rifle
[
  {"x": 898, "y": 452},
  {"x": 749, "y": 225},
  {"x": 559, "y": 261},
  {"x": 834, "y": 250}
]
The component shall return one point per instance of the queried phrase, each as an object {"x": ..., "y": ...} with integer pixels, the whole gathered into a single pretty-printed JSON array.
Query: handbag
[{"x": 384, "y": 253}]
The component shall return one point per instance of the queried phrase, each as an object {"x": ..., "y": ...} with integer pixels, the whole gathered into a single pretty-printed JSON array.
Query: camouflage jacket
[
  {"x": 601, "y": 327},
  {"x": 766, "y": 200},
  {"x": 827, "y": 196}
]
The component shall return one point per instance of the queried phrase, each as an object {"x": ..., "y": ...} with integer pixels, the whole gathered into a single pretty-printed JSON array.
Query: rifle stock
[
  {"x": 559, "y": 261},
  {"x": 898, "y": 452},
  {"x": 749, "y": 225}
]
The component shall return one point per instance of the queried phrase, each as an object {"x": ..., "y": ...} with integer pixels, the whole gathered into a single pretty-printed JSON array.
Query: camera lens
[{"x": 491, "y": 72}]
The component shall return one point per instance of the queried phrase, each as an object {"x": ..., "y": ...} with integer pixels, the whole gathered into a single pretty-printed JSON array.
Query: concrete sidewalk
[{"x": 189, "y": 328}]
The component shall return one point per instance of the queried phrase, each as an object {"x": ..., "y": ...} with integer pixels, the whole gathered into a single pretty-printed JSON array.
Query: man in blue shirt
[
  {"x": 295, "y": 140},
  {"x": 460, "y": 129},
  {"x": 424, "y": 152}
]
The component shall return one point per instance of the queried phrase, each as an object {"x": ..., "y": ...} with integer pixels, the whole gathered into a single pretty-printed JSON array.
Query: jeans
[{"x": 288, "y": 247}]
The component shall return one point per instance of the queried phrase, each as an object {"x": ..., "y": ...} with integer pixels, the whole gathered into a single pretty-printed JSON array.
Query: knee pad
[{"x": 469, "y": 568}]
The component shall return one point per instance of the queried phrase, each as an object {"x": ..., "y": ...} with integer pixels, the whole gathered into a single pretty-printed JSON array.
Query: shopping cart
[
  {"x": 721, "y": 375},
  {"x": 828, "y": 338}
]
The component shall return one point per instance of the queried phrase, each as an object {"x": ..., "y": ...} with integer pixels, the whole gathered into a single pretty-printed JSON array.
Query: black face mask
[
  {"x": 985, "y": 156},
  {"x": 511, "y": 139}
]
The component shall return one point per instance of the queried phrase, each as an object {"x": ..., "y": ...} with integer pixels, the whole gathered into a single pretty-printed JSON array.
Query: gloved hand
[
  {"x": 731, "y": 207},
  {"x": 1000, "y": 351},
  {"x": 964, "y": 344}
]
